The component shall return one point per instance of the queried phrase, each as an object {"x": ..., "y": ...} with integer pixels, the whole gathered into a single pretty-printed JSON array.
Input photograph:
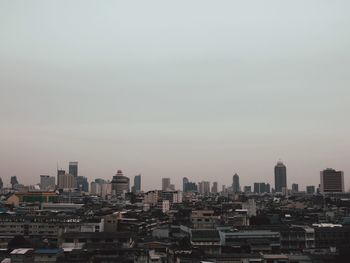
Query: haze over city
[{"x": 202, "y": 89}]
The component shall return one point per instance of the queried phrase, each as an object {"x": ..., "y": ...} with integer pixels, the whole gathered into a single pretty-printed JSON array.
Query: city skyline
[
  {"x": 179, "y": 181},
  {"x": 230, "y": 87}
]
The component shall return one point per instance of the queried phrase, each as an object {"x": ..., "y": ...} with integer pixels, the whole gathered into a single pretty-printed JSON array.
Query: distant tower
[
  {"x": 73, "y": 168},
  {"x": 137, "y": 183},
  {"x": 165, "y": 184},
  {"x": 1, "y": 183},
  {"x": 14, "y": 181},
  {"x": 332, "y": 181},
  {"x": 184, "y": 183},
  {"x": 60, "y": 174},
  {"x": 235, "y": 184},
  {"x": 214, "y": 188},
  {"x": 120, "y": 183},
  {"x": 280, "y": 177}
]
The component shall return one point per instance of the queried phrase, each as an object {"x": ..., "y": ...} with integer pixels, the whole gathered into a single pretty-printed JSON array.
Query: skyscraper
[
  {"x": 14, "y": 181},
  {"x": 60, "y": 172},
  {"x": 332, "y": 181},
  {"x": 280, "y": 177},
  {"x": 235, "y": 184},
  {"x": 137, "y": 183},
  {"x": 73, "y": 168},
  {"x": 214, "y": 188},
  {"x": 184, "y": 182},
  {"x": 204, "y": 187},
  {"x": 120, "y": 184},
  {"x": 165, "y": 184}
]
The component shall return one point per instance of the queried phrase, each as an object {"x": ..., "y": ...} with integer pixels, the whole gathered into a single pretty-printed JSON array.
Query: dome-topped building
[{"x": 120, "y": 183}]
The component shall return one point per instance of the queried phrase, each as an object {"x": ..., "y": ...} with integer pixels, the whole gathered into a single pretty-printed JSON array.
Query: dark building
[
  {"x": 261, "y": 188},
  {"x": 14, "y": 181},
  {"x": 247, "y": 189},
  {"x": 60, "y": 173},
  {"x": 295, "y": 188},
  {"x": 310, "y": 189},
  {"x": 137, "y": 184},
  {"x": 73, "y": 168},
  {"x": 82, "y": 183},
  {"x": 120, "y": 183},
  {"x": 235, "y": 184},
  {"x": 191, "y": 187},
  {"x": 184, "y": 182},
  {"x": 332, "y": 181},
  {"x": 280, "y": 177},
  {"x": 1, "y": 183}
]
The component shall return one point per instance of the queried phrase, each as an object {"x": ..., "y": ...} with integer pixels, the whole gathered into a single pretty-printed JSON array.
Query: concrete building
[
  {"x": 47, "y": 182},
  {"x": 166, "y": 184},
  {"x": 120, "y": 184},
  {"x": 280, "y": 177},
  {"x": 332, "y": 181},
  {"x": 214, "y": 188},
  {"x": 236, "y": 188},
  {"x": 295, "y": 188},
  {"x": 137, "y": 184},
  {"x": 66, "y": 181},
  {"x": 73, "y": 168},
  {"x": 204, "y": 187},
  {"x": 310, "y": 189}
]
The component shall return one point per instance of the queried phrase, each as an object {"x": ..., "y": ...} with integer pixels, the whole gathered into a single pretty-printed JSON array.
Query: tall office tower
[
  {"x": 214, "y": 188},
  {"x": 165, "y": 184},
  {"x": 137, "y": 184},
  {"x": 235, "y": 184},
  {"x": 1, "y": 183},
  {"x": 185, "y": 181},
  {"x": 47, "y": 182},
  {"x": 280, "y": 177},
  {"x": 66, "y": 181},
  {"x": 268, "y": 188},
  {"x": 295, "y": 188},
  {"x": 204, "y": 187},
  {"x": 310, "y": 189},
  {"x": 60, "y": 172},
  {"x": 120, "y": 183},
  {"x": 332, "y": 181},
  {"x": 82, "y": 183},
  {"x": 73, "y": 168}
]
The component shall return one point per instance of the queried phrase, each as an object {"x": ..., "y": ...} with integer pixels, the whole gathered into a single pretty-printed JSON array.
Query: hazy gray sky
[{"x": 201, "y": 89}]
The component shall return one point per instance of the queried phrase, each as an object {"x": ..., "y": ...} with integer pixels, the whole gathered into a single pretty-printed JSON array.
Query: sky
[{"x": 195, "y": 88}]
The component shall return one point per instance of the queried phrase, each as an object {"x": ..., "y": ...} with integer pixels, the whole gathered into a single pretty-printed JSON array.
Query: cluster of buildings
[{"x": 112, "y": 221}]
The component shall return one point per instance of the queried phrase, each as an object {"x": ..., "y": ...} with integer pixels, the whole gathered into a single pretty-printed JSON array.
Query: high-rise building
[
  {"x": 184, "y": 182},
  {"x": 66, "y": 181},
  {"x": 204, "y": 187},
  {"x": 1, "y": 183},
  {"x": 14, "y": 181},
  {"x": 60, "y": 172},
  {"x": 310, "y": 189},
  {"x": 332, "y": 181},
  {"x": 280, "y": 177},
  {"x": 295, "y": 188},
  {"x": 120, "y": 184},
  {"x": 261, "y": 188},
  {"x": 47, "y": 182},
  {"x": 214, "y": 188},
  {"x": 165, "y": 184},
  {"x": 235, "y": 184},
  {"x": 82, "y": 183},
  {"x": 73, "y": 168},
  {"x": 137, "y": 184}
]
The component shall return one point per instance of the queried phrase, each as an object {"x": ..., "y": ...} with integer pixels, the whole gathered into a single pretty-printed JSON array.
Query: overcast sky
[{"x": 195, "y": 88}]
